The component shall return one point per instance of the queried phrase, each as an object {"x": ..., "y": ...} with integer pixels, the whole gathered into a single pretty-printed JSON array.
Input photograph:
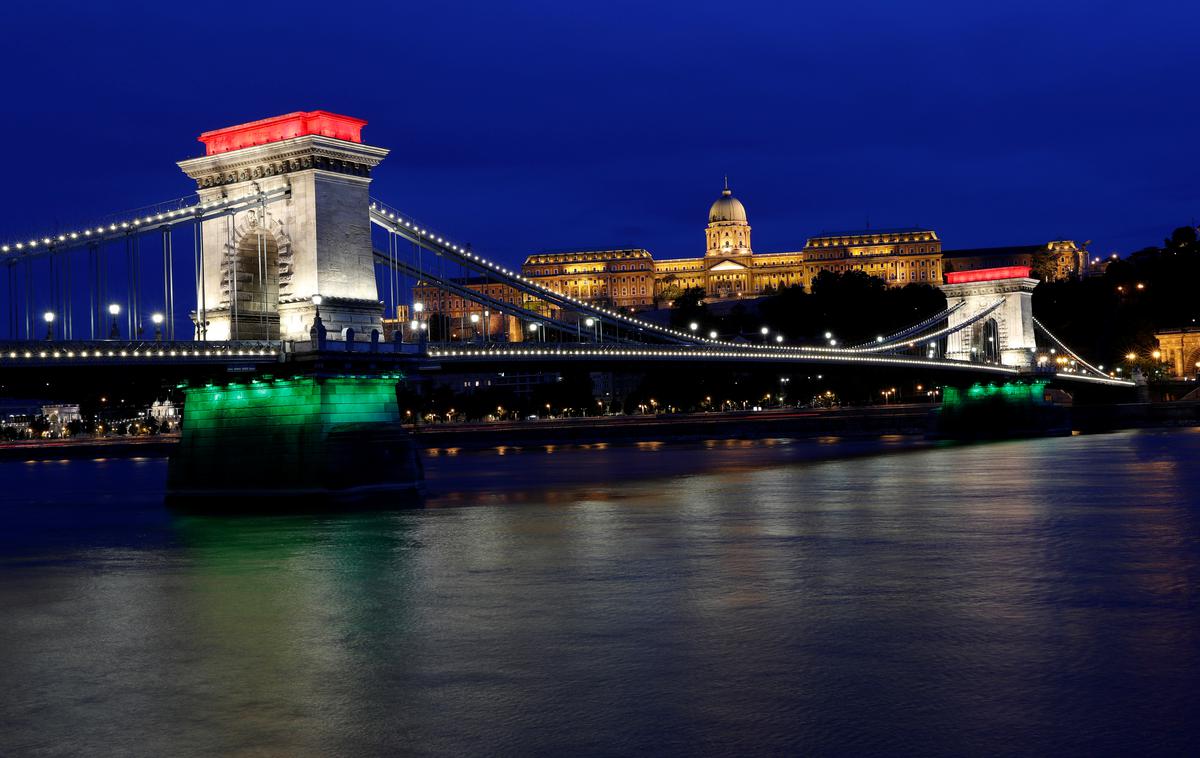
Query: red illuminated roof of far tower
[
  {"x": 987, "y": 274},
  {"x": 279, "y": 128}
]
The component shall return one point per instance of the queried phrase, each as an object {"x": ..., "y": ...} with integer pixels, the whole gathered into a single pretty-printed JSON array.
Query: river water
[{"x": 714, "y": 598}]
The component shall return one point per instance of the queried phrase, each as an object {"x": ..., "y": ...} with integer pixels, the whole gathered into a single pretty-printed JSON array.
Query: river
[{"x": 711, "y": 598}]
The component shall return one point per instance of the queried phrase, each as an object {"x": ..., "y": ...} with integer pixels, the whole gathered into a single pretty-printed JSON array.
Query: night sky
[{"x": 551, "y": 125}]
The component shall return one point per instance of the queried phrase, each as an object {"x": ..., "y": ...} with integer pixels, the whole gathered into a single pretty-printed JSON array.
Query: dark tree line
[{"x": 854, "y": 306}]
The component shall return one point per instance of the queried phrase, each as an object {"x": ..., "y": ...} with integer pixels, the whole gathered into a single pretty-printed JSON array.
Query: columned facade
[{"x": 1180, "y": 350}]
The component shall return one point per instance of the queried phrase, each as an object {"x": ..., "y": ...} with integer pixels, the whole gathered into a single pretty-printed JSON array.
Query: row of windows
[
  {"x": 881, "y": 240},
  {"x": 602, "y": 255},
  {"x": 618, "y": 267},
  {"x": 670, "y": 268},
  {"x": 839, "y": 252}
]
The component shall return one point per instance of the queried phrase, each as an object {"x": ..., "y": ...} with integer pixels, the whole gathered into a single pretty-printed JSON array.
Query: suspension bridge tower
[
  {"x": 999, "y": 303},
  {"x": 262, "y": 266}
]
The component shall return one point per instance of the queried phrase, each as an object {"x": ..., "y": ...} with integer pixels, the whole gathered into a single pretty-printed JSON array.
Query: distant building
[
  {"x": 60, "y": 416},
  {"x": 457, "y": 317},
  {"x": 632, "y": 278},
  {"x": 165, "y": 412},
  {"x": 897, "y": 256},
  {"x": 622, "y": 278}
]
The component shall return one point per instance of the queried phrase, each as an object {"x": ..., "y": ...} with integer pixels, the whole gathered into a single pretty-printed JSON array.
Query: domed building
[
  {"x": 728, "y": 231},
  {"x": 727, "y": 268},
  {"x": 632, "y": 278}
]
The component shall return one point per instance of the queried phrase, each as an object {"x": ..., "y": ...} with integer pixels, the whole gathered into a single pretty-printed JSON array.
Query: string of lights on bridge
[
  {"x": 621, "y": 353},
  {"x": 435, "y": 352},
  {"x": 223, "y": 354},
  {"x": 102, "y": 232}
]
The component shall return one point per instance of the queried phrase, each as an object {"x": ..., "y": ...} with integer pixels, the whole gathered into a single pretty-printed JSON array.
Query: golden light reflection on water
[{"x": 649, "y": 445}]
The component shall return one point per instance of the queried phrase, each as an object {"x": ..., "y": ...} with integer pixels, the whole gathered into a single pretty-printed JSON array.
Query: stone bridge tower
[
  {"x": 262, "y": 266},
  {"x": 1005, "y": 336}
]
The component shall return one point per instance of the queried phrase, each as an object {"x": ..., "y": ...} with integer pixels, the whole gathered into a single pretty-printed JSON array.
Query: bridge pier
[
  {"x": 996, "y": 411},
  {"x": 306, "y": 440}
]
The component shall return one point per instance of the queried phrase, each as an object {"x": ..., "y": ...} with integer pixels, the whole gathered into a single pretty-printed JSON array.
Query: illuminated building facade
[
  {"x": 631, "y": 279},
  {"x": 622, "y": 278},
  {"x": 897, "y": 256},
  {"x": 451, "y": 315},
  {"x": 1180, "y": 350},
  {"x": 729, "y": 268}
]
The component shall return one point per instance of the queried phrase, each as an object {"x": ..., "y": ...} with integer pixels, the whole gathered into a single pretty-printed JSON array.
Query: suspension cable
[
  {"x": 1068, "y": 350},
  {"x": 910, "y": 330}
]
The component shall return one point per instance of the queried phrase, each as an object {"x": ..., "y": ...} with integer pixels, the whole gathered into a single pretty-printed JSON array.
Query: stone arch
[
  {"x": 1191, "y": 364},
  {"x": 252, "y": 276},
  {"x": 252, "y": 223},
  {"x": 989, "y": 341}
]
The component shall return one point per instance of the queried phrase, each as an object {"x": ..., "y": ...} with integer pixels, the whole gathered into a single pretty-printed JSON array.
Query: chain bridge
[{"x": 282, "y": 256}]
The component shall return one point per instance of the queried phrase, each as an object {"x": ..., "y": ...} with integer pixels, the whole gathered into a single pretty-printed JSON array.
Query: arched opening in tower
[
  {"x": 990, "y": 341},
  {"x": 253, "y": 289}
]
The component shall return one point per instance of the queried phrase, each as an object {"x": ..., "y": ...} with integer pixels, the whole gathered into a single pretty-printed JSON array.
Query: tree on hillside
[
  {"x": 668, "y": 291},
  {"x": 689, "y": 307}
]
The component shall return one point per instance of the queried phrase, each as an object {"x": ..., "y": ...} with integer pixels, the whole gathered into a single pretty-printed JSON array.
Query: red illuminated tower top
[
  {"x": 987, "y": 274},
  {"x": 279, "y": 128}
]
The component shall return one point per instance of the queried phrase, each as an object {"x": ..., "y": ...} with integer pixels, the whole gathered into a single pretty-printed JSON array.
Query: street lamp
[
  {"x": 712, "y": 334},
  {"x": 48, "y": 317},
  {"x": 157, "y": 319},
  {"x": 317, "y": 333},
  {"x": 779, "y": 338},
  {"x": 693, "y": 326},
  {"x": 114, "y": 310},
  {"x": 764, "y": 331}
]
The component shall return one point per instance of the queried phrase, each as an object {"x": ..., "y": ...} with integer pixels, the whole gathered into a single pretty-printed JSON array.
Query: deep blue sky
[{"x": 559, "y": 124}]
